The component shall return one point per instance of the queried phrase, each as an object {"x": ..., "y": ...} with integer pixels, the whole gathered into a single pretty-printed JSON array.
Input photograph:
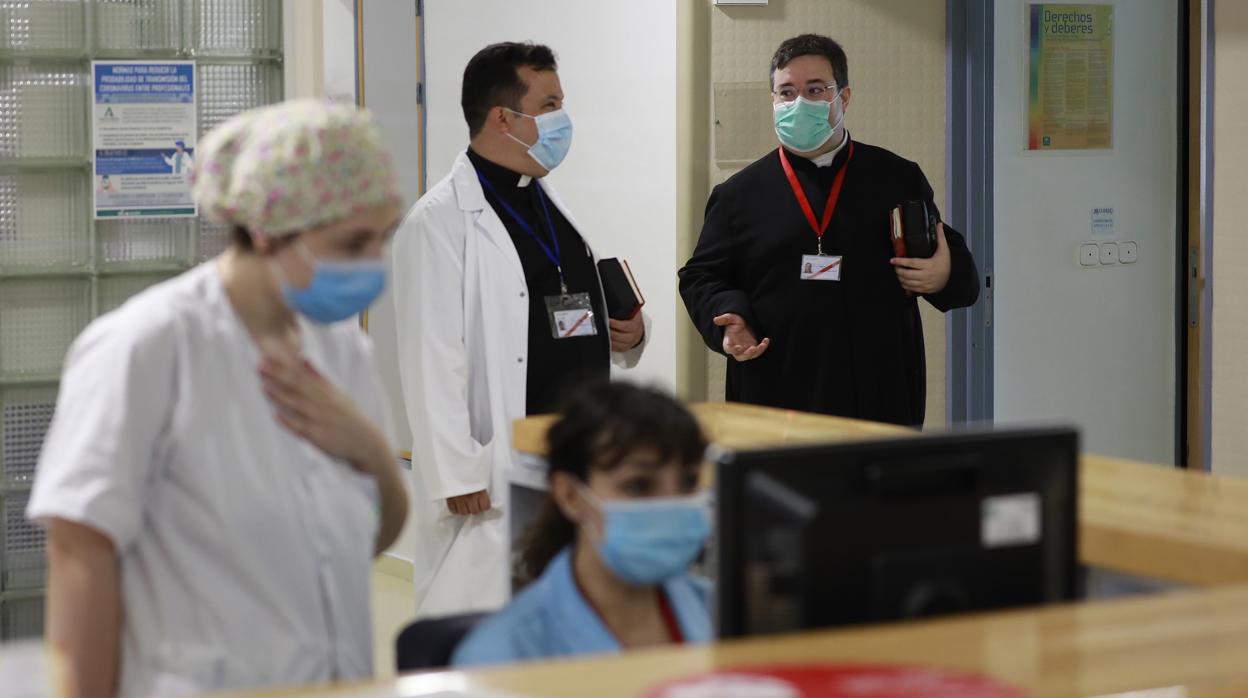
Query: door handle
[{"x": 1193, "y": 287}]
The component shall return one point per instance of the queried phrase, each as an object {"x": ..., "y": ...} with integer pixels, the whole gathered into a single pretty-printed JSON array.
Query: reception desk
[
  {"x": 1157, "y": 521},
  {"x": 1148, "y": 520},
  {"x": 1184, "y": 644}
]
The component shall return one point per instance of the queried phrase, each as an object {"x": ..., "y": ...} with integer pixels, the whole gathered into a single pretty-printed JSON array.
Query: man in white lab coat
[{"x": 500, "y": 312}]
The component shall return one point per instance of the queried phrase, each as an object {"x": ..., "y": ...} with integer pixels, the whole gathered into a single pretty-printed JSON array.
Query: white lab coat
[
  {"x": 245, "y": 551},
  {"x": 183, "y": 166},
  {"x": 462, "y": 314}
]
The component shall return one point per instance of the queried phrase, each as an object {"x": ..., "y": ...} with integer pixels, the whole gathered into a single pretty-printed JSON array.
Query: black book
[{"x": 624, "y": 299}]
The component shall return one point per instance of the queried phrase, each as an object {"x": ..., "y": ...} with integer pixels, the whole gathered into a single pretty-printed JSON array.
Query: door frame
[
  {"x": 1195, "y": 331},
  {"x": 969, "y": 144},
  {"x": 969, "y": 177}
]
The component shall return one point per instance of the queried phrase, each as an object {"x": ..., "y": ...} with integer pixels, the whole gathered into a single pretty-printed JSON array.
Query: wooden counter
[
  {"x": 1178, "y": 525},
  {"x": 1156, "y": 521},
  {"x": 734, "y": 425},
  {"x": 1189, "y": 644},
  {"x": 1151, "y": 520}
]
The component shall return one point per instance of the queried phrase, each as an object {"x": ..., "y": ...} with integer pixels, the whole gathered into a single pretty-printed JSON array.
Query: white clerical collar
[
  {"x": 826, "y": 159},
  {"x": 524, "y": 181}
]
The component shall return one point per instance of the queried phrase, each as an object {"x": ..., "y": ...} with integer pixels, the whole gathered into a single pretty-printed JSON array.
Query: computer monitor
[{"x": 864, "y": 532}]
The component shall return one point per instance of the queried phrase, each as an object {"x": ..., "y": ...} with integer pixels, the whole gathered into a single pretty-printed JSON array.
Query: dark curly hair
[
  {"x": 598, "y": 428},
  {"x": 811, "y": 45},
  {"x": 491, "y": 79}
]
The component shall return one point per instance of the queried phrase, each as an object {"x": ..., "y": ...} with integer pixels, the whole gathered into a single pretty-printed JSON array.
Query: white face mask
[
  {"x": 647, "y": 541},
  {"x": 838, "y": 126},
  {"x": 805, "y": 125},
  {"x": 554, "y": 138}
]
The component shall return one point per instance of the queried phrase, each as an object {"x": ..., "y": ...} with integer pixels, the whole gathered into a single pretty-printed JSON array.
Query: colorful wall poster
[
  {"x": 144, "y": 130},
  {"x": 1070, "y": 81}
]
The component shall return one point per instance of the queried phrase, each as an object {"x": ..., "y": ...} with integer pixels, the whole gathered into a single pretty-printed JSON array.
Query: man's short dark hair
[
  {"x": 811, "y": 45},
  {"x": 491, "y": 79}
]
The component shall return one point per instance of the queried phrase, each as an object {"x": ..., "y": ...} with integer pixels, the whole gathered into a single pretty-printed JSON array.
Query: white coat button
[
  {"x": 522, "y": 294},
  {"x": 520, "y": 359}
]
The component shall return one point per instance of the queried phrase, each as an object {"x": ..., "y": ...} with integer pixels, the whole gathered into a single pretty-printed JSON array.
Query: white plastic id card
[
  {"x": 817, "y": 267},
  {"x": 571, "y": 315}
]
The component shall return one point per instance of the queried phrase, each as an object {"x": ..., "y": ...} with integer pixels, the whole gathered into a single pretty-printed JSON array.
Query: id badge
[
  {"x": 571, "y": 315},
  {"x": 816, "y": 267}
]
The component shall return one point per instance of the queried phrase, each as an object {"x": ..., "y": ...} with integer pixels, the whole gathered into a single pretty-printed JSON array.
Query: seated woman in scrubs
[
  {"x": 220, "y": 472},
  {"x": 622, "y": 524}
]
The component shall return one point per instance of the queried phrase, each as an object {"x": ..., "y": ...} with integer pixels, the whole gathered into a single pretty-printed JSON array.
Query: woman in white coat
[
  {"x": 475, "y": 261},
  {"x": 219, "y": 473}
]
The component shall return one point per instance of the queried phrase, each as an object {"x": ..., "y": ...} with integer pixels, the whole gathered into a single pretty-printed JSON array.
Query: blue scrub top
[{"x": 551, "y": 619}]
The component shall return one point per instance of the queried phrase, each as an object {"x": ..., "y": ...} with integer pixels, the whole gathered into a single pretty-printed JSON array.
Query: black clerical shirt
[
  {"x": 852, "y": 347},
  {"x": 555, "y": 365}
]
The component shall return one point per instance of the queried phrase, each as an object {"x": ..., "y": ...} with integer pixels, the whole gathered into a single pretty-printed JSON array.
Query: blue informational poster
[{"x": 144, "y": 131}]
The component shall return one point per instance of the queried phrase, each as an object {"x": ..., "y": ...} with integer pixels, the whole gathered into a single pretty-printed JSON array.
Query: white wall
[
  {"x": 318, "y": 39},
  {"x": 390, "y": 93},
  {"x": 338, "y": 37},
  {"x": 617, "y": 63},
  {"x": 1229, "y": 448},
  {"x": 302, "y": 49},
  {"x": 1092, "y": 346}
]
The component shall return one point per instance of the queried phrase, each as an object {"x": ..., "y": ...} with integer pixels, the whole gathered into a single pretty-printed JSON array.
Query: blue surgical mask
[
  {"x": 338, "y": 289},
  {"x": 554, "y": 138},
  {"x": 649, "y": 541},
  {"x": 803, "y": 126}
]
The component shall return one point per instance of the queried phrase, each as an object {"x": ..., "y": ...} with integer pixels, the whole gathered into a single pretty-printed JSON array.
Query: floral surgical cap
[{"x": 292, "y": 166}]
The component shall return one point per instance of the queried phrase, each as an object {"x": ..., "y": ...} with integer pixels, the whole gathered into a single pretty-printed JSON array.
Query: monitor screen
[{"x": 862, "y": 532}]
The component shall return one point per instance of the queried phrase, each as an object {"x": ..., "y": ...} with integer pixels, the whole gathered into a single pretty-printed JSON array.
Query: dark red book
[{"x": 623, "y": 297}]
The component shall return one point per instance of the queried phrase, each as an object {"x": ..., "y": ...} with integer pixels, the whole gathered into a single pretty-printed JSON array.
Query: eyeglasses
[{"x": 815, "y": 92}]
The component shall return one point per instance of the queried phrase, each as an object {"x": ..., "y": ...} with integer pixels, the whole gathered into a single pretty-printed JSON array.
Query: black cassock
[{"x": 853, "y": 347}]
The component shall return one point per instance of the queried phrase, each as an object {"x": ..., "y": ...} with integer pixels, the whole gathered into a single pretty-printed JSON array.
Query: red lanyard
[
  {"x": 669, "y": 618},
  {"x": 833, "y": 196},
  {"x": 666, "y": 612}
]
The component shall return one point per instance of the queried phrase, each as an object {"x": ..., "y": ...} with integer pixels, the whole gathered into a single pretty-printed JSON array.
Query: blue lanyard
[{"x": 551, "y": 253}]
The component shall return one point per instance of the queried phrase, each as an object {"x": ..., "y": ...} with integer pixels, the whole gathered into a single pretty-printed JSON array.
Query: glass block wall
[{"x": 59, "y": 268}]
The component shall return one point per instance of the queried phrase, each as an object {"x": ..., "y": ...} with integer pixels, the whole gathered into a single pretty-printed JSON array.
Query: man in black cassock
[{"x": 843, "y": 335}]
